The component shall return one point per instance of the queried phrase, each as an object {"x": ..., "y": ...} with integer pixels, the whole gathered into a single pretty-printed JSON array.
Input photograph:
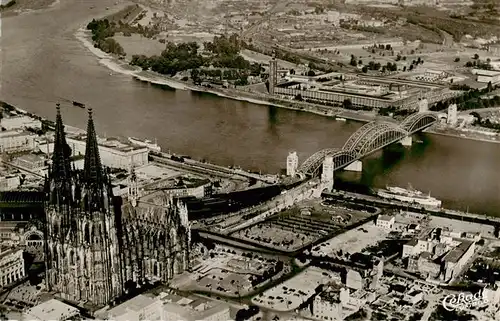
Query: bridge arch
[
  {"x": 418, "y": 121},
  {"x": 312, "y": 164},
  {"x": 365, "y": 140},
  {"x": 379, "y": 137},
  {"x": 357, "y": 135}
]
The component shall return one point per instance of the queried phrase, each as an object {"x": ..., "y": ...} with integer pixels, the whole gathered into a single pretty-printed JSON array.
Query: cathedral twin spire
[
  {"x": 61, "y": 164},
  {"x": 62, "y": 177}
]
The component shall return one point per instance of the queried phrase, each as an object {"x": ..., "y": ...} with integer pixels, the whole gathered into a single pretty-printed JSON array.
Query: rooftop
[
  {"x": 52, "y": 310},
  {"x": 456, "y": 254},
  {"x": 490, "y": 73},
  {"x": 12, "y": 133},
  {"x": 21, "y": 198},
  {"x": 137, "y": 303},
  {"x": 31, "y": 158},
  {"x": 412, "y": 242},
  {"x": 112, "y": 143},
  {"x": 386, "y": 218}
]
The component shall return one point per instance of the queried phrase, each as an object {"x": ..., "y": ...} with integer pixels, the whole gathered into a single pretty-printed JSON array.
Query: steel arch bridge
[{"x": 366, "y": 140}]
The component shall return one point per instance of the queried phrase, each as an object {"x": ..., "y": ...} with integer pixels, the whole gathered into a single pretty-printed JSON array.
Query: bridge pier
[
  {"x": 407, "y": 141},
  {"x": 327, "y": 177},
  {"x": 356, "y": 166}
]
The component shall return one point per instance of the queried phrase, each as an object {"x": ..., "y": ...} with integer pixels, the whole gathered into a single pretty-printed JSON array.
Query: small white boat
[
  {"x": 340, "y": 119},
  {"x": 145, "y": 143}
]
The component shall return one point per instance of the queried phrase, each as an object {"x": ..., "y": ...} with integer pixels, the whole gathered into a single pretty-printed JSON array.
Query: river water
[{"x": 42, "y": 63}]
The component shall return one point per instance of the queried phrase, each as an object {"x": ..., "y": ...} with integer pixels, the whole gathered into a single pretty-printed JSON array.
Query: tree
[
  {"x": 195, "y": 76},
  {"x": 388, "y": 47},
  {"x": 364, "y": 69},
  {"x": 347, "y": 104},
  {"x": 311, "y": 73},
  {"x": 353, "y": 61},
  {"x": 490, "y": 87},
  {"x": 457, "y": 59},
  {"x": 476, "y": 56}
]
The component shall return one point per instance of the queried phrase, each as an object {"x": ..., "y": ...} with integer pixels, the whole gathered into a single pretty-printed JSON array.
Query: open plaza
[
  {"x": 301, "y": 225},
  {"x": 292, "y": 293},
  {"x": 227, "y": 272},
  {"x": 352, "y": 241}
]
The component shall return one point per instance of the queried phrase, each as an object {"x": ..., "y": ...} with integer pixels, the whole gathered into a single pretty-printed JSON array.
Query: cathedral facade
[{"x": 96, "y": 243}]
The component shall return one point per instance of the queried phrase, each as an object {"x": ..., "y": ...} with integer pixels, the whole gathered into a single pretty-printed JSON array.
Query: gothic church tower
[{"x": 82, "y": 259}]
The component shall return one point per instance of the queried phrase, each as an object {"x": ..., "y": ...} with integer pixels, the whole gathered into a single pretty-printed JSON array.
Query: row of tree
[
  {"x": 102, "y": 33},
  {"x": 222, "y": 52}
]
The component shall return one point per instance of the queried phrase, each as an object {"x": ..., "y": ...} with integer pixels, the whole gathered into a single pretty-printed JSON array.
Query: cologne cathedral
[{"x": 96, "y": 243}]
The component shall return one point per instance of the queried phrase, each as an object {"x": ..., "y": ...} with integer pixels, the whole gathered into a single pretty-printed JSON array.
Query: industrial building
[
  {"x": 362, "y": 92},
  {"x": 486, "y": 76},
  {"x": 114, "y": 153}
]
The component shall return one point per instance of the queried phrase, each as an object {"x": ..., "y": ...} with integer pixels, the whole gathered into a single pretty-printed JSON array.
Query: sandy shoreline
[{"x": 115, "y": 65}]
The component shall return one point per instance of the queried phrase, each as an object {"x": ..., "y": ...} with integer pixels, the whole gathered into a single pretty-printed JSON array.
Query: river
[{"x": 42, "y": 63}]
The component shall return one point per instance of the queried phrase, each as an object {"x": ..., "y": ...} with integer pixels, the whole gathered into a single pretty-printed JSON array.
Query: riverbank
[
  {"x": 462, "y": 135},
  {"x": 123, "y": 67}
]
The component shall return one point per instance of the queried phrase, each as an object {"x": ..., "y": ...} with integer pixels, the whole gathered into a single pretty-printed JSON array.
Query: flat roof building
[
  {"x": 114, "y": 153},
  {"x": 51, "y": 310}
]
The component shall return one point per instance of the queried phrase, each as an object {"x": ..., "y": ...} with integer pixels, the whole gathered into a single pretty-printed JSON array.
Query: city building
[
  {"x": 12, "y": 141},
  {"x": 21, "y": 206},
  {"x": 181, "y": 187},
  {"x": 414, "y": 296},
  {"x": 20, "y": 122},
  {"x": 492, "y": 293},
  {"x": 486, "y": 76},
  {"x": 141, "y": 307},
  {"x": 114, "y": 153},
  {"x": 11, "y": 265},
  {"x": 494, "y": 49},
  {"x": 434, "y": 75},
  {"x": 362, "y": 91},
  {"x": 292, "y": 163},
  {"x": 188, "y": 309},
  {"x": 92, "y": 254},
  {"x": 386, "y": 222},
  {"x": 31, "y": 162},
  {"x": 53, "y": 310},
  {"x": 335, "y": 302},
  {"x": 354, "y": 280},
  {"x": 440, "y": 253},
  {"x": 327, "y": 306},
  {"x": 9, "y": 182},
  {"x": 457, "y": 258},
  {"x": 169, "y": 307}
]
